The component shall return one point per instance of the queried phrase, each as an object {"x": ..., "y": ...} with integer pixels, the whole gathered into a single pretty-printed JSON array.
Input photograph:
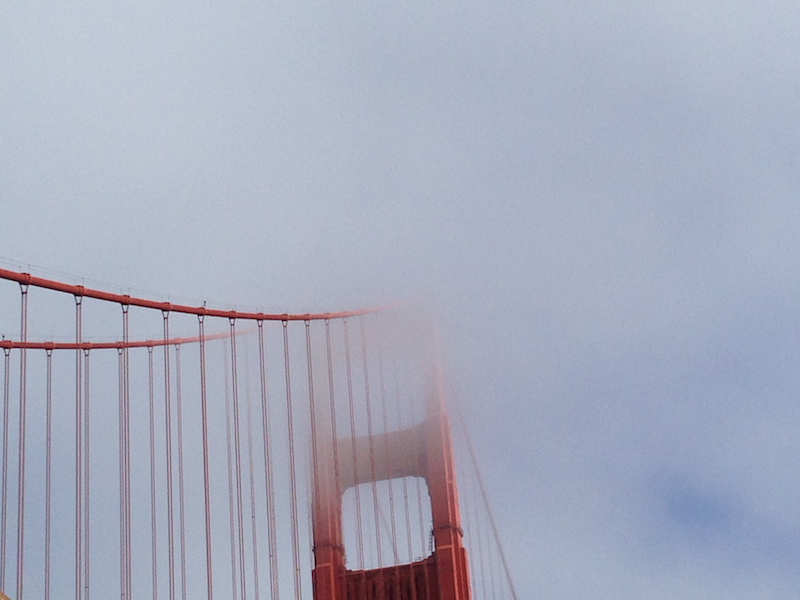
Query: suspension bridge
[{"x": 152, "y": 449}]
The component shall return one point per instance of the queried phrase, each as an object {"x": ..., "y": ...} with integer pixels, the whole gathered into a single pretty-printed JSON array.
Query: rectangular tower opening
[{"x": 399, "y": 536}]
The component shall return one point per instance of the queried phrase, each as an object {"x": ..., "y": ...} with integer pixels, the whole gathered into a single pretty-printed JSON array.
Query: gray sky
[{"x": 600, "y": 200}]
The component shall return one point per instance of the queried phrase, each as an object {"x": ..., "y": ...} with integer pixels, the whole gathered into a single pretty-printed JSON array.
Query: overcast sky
[{"x": 599, "y": 198}]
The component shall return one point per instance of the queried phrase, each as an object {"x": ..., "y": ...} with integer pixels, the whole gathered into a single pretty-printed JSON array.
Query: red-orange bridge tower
[{"x": 424, "y": 450}]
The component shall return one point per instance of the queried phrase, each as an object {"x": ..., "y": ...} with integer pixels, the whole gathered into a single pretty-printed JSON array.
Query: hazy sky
[{"x": 599, "y": 198}]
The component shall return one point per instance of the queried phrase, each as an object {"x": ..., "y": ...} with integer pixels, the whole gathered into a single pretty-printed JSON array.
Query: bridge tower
[{"x": 424, "y": 450}]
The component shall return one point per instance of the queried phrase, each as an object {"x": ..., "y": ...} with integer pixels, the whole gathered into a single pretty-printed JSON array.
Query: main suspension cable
[
  {"x": 116, "y": 345},
  {"x": 79, "y": 290}
]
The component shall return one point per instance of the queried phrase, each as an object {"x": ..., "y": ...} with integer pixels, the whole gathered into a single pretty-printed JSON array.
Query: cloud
[{"x": 599, "y": 199}]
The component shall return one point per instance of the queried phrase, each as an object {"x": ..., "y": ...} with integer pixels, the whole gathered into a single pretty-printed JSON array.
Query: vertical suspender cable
[
  {"x": 469, "y": 518},
  {"x": 231, "y": 513},
  {"x": 427, "y": 551},
  {"x": 313, "y": 417},
  {"x": 334, "y": 433},
  {"x": 407, "y": 514},
  {"x": 268, "y": 476},
  {"x": 372, "y": 465},
  {"x": 426, "y": 547},
  {"x": 4, "y": 474},
  {"x": 181, "y": 500},
  {"x": 398, "y": 405},
  {"x": 86, "y": 469},
  {"x": 353, "y": 449},
  {"x": 78, "y": 449},
  {"x": 122, "y": 574},
  {"x": 238, "y": 459},
  {"x": 168, "y": 421},
  {"x": 426, "y": 542},
  {"x": 491, "y": 572},
  {"x": 310, "y": 530},
  {"x": 23, "y": 380},
  {"x": 385, "y": 411},
  {"x": 481, "y": 562},
  {"x": 251, "y": 470},
  {"x": 153, "y": 513},
  {"x": 485, "y": 497},
  {"x": 206, "y": 485},
  {"x": 292, "y": 467},
  {"x": 48, "y": 472},
  {"x": 126, "y": 403}
]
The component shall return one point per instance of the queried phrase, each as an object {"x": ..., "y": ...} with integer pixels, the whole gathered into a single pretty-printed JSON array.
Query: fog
[{"x": 598, "y": 200}]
